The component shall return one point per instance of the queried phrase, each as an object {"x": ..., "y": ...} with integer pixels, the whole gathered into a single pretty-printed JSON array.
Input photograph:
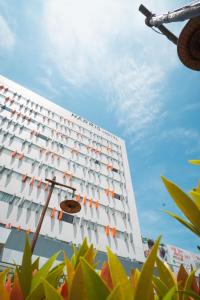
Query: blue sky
[{"x": 98, "y": 59}]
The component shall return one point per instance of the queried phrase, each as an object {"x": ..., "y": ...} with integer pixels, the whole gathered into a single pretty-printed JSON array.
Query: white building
[{"x": 38, "y": 140}]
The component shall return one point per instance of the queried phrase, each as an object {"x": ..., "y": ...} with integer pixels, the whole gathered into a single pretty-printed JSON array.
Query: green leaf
[
  {"x": 194, "y": 162},
  {"x": 160, "y": 287},
  {"x": 119, "y": 276},
  {"x": 37, "y": 293},
  {"x": 183, "y": 201},
  {"x": 35, "y": 264},
  {"x": 25, "y": 271},
  {"x": 70, "y": 270},
  {"x": 43, "y": 272},
  {"x": 50, "y": 292},
  {"x": 170, "y": 294},
  {"x": 90, "y": 255},
  {"x": 82, "y": 251},
  {"x": 134, "y": 277},
  {"x": 115, "y": 294},
  {"x": 189, "y": 283},
  {"x": 54, "y": 276},
  {"x": 165, "y": 273},
  {"x": 95, "y": 286},
  {"x": 190, "y": 293},
  {"x": 144, "y": 286},
  {"x": 185, "y": 223},
  {"x": 77, "y": 281},
  {"x": 3, "y": 292}
]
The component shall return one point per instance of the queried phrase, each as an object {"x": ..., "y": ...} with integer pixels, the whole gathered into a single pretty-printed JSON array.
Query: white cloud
[
  {"x": 7, "y": 39},
  {"x": 107, "y": 42},
  {"x": 151, "y": 216}
]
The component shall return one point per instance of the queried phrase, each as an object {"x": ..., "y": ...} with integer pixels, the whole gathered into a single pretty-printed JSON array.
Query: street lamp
[{"x": 69, "y": 206}]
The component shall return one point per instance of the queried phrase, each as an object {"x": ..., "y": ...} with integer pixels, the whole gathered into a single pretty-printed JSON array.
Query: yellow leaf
[
  {"x": 188, "y": 283},
  {"x": 115, "y": 294},
  {"x": 119, "y": 276},
  {"x": 160, "y": 287},
  {"x": 78, "y": 289},
  {"x": 184, "y": 202},
  {"x": 165, "y": 273},
  {"x": 185, "y": 223},
  {"x": 134, "y": 277},
  {"x": 50, "y": 292},
  {"x": 95, "y": 286},
  {"x": 70, "y": 270},
  {"x": 144, "y": 286},
  {"x": 196, "y": 197},
  {"x": 194, "y": 162}
]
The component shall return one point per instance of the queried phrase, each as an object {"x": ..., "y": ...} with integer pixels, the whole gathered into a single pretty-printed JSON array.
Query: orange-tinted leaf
[
  {"x": 3, "y": 291},
  {"x": 105, "y": 275},
  {"x": 64, "y": 291},
  {"x": 182, "y": 277},
  {"x": 8, "y": 284},
  {"x": 16, "y": 293}
]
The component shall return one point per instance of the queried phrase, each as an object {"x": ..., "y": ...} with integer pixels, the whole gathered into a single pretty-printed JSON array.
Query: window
[
  {"x": 6, "y": 108},
  {"x": 43, "y": 137},
  {"x": 114, "y": 170},
  {"x": 67, "y": 218},
  {"x": 7, "y": 197},
  {"x": 97, "y": 162},
  {"x": 117, "y": 196}
]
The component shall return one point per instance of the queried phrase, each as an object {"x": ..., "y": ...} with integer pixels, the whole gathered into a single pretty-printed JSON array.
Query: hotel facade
[{"x": 39, "y": 140}]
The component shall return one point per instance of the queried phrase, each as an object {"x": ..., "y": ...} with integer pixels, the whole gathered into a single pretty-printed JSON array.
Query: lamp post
[
  {"x": 69, "y": 206},
  {"x": 188, "y": 42}
]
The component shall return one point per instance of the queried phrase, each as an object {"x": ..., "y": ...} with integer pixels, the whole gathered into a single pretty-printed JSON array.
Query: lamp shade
[
  {"x": 189, "y": 44},
  {"x": 70, "y": 206}
]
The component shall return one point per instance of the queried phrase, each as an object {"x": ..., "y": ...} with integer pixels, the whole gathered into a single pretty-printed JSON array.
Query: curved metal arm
[{"x": 162, "y": 28}]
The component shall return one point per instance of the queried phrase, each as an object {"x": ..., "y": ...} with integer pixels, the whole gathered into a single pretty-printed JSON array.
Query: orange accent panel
[
  {"x": 24, "y": 177},
  {"x": 21, "y": 156},
  {"x": 91, "y": 202},
  {"x": 107, "y": 191},
  {"x": 8, "y": 225},
  {"x": 84, "y": 200},
  {"x": 31, "y": 183},
  {"x": 14, "y": 153},
  {"x": 113, "y": 194},
  {"x": 28, "y": 231},
  {"x": 53, "y": 211},
  {"x": 46, "y": 186},
  {"x": 78, "y": 197},
  {"x": 60, "y": 215},
  {"x": 97, "y": 204},
  {"x": 19, "y": 228},
  {"x": 107, "y": 230},
  {"x": 39, "y": 184},
  {"x": 114, "y": 232}
]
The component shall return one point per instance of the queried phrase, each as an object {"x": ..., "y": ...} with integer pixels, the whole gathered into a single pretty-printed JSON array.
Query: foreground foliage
[
  {"x": 188, "y": 204},
  {"x": 84, "y": 282}
]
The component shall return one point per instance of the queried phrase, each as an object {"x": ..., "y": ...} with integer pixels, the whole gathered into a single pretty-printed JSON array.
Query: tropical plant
[
  {"x": 83, "y": 282},
  {"x": 188, "y": 204}
]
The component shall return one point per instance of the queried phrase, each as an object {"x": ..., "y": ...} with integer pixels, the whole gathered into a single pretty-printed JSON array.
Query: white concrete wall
[{"x": 88, "y": 178}]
